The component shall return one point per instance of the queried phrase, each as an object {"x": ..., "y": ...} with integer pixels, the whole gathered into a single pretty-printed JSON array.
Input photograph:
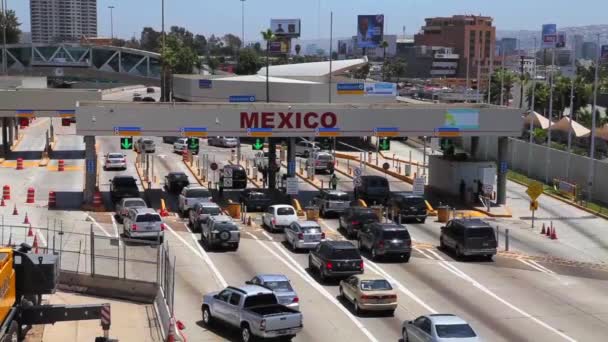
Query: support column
[
  {"x": 5, "y": 146},
  {"x": 474, "y": 146},
  {"x": 272, "y": 159},
  {"x": 501, "y": 187},
  {"x": 90, "y": 155},
  {"x": 16, "y": 123},
  {"x": 9, "y": 128},
  {"x": 291, "y": 157}
]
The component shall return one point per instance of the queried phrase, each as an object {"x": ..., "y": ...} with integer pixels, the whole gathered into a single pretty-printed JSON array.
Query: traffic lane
[
  {"x": 323, "y": 320},
  {"x": 127, "y": 95},
  {"x": 107, "y": 145},
  {"x": 33, "y": 141}
]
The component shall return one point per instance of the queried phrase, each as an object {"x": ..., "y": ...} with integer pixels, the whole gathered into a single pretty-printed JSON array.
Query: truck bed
[{"x": 271, "y": 310}]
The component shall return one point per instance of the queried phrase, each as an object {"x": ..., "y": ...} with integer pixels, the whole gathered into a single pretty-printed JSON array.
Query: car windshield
[
  {"x": 115, "y": 156},
  {"x": 257, "y": 195},
  {"x": 213, "y": 211},
  {"x": 375, "y": 285},
  {"x": 396, "y": 234},
  {"x": 226, "y": 226},
  {"x": 378, "y": 183},
  {"x": 324, "y": 157},
  {"x": 135, "y": 203},
  {"x": 198, "y": 193},
  {"x": 311, "y": 229},
  {"x": 179, "y": 176},
  {"x": 454, "y": 331},
  {"x": 279, "y": 286},
  {"x": 413, "y": 201},
  {"x": 285, "y": 211},
  {"x": 480, "y": 232},
  {"x": 345, "y": 253},
  {"x": 148, "y": 218},
  {"x": 338, "y": 197}
]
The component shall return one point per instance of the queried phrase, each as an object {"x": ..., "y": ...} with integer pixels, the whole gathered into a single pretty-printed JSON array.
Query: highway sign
[
  {"x": 535, "y": 189},
  {"x": 126, "y": 143},
  {"x": 127, "y": 131},
  {"x": 384, "y": 144},
  {"x": 227, "y": 182},
  {"x": 419, "y": 186},
  {"x": 193, "y": 144},
  {"x": 258, "y": 145},
  {"x": 533, "y": 205},
  {"x": 503, "y": 166},
  {"x": 227, "y": 171},
  {"x": 242, "y": 98},
  {"x": 291, "y": 186},
  {"x": 357, "y": 172},
  {"x": 357, "y": 181},
  {"x": 386, "y": 166},
  {"x": 90, "y": 165},
  {"x": 189, "y": 132},
  {"x": 213, "y": 166}
]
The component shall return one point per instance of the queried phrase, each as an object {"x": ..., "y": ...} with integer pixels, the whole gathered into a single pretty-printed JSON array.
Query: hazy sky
[{"x": 224, "y": 16}]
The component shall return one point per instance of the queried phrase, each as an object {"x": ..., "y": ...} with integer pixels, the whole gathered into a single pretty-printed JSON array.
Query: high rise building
[
  {"x": 508, "y": 46},
  {"x": 473, "y": 38},
  {"x": 589, "y": 50},
  {"x": 62, "y": 20},
  {"x": 578, "y": 45}
]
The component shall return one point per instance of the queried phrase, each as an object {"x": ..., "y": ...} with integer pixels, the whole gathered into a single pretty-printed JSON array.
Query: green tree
[
  {"x": 541, "y": 96},
  {"x": 362, "y": 72},
  {"x": 505, "y": 77},
  {"x": 232, "y": 42},
  {"x": 399, "y": 68},
  {"x": 200, "y": 44},
  {"x": 298, "y": 49},
  {"x": 268, "y": 36},
  {"x": 181, "y": 59},
  {"x": 12, "y": 27},
  {"x": 585, "y": 119},
  {"x": 150, "y": 39},
  {"x": 247, "y": 63},
  {"x": 213, "y": 64},
  {"x": 257, "y": 47},
  {"x": 384, "y": 45}
]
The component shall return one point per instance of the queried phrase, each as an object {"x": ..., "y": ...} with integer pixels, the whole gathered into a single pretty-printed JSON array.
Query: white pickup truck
[
  {"x": 261, "y": 161},
  {"x": 253, "y": 309},
  {"x": 191, "y": 195}
]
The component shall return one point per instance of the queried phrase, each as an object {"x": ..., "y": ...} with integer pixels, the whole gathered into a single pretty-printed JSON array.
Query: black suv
[
  {"x": 468, "y": 238},
  {"x": 239, "y": 176},
  {"x": 122, "y": 187},
  {"x": 408, "y": 206},
  {"x": 386, "y": 239},
  {"x": 176, "y": 181},
  {"x": 353, "y": 219},
  {"x": 373, "y": 189},
  {"x": 335, "y": 259}
]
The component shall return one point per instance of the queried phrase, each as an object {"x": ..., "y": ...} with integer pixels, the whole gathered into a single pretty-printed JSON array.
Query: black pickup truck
[{"x": 123, "y": 186}]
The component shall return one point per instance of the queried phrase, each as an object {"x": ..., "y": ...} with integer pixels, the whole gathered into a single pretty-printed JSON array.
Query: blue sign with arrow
[{"x": 242, "y": 98}]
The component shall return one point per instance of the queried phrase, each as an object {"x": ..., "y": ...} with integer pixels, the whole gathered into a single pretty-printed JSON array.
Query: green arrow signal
[
  {"x": 258, "y": 145},
  {"x": 384, "y": 145},
  {"x": 193, "y": 144},
  {"x": 126, "y": 143}
]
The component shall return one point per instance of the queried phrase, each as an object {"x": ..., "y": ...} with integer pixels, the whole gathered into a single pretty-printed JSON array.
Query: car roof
[
  {"x": 390, "y": 226},
  {"x": 472, "y": 223},
  {"x": 407, "y": 194},
  {"x": 222, "y": 218},
  {"x": 340, "y": 244},
  {"x": 272, "y": 277},
  {"x": 335, "y": 192},
  {"x": 277, "y": 206},
  {"x": 251, "y": 289},
  {"x": 369, "y": 276},
  {"x": 176, "y": 173},
  {"x": 208, "y": 204},
  {"x": 308, "y": 224},
  {"x": 372, "y": 177},
  {"x": 124, "y": 177},
  {"x": 116, "y": 153},
  {"x": 190, "y": 187},
  {"x": 446, "y": 319},
  {"x": 145, "y": 211},
  {"x": 132, "y": 199}
]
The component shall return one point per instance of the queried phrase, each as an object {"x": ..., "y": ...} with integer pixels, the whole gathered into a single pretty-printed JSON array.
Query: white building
[{"x": 62, "y": 20}]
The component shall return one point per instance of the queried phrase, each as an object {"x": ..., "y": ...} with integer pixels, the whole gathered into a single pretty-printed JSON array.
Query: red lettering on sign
[
  {"x": 285, "y": 120},
  {"x": 298, "y": 120},
  {"x": 307, "y": 122},
  {"x": 328, "y": 120},
  {"x": 249, "y": 120},
  {"x": 267, "y": 120}
]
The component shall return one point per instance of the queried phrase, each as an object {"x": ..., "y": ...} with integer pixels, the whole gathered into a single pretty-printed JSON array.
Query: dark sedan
[
  {"x": 255, "y": 200},
  {"x": 176, "y": 181},
  {"x": 353, "y": 219}
]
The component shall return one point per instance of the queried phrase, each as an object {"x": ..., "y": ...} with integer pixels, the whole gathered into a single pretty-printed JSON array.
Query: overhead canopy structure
[
  {"x": 538, "y": 121},
  {"x": 577, "y": 129},
  {"x": 314, "y": 71}
]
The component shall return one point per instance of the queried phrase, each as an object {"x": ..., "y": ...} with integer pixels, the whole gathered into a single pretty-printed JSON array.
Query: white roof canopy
[
  {"x": 538, "y": 120},
  {"x": 564, "y": 126},
  {"x": 313, "y": 69}
]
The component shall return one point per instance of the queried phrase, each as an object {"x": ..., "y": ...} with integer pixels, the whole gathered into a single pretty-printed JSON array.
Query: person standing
[{"x": 334, "y": 181}]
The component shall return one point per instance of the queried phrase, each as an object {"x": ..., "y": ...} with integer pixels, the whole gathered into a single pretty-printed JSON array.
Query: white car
[
  {"x": 115, "y": 160},
  {"x": 191, "y": 195},
  {"x": 278, "y": 217},
  {"x": 222, "y": 141},
  {"x": 180, "y": 145},
  {"x": 306, "y": 148}
]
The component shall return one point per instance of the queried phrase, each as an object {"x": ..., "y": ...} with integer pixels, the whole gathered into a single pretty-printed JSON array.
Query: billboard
[
  {"x": 604, "y": 53},
  {"x": 285, "y": 27},
  {"x": 350, "y": 88},
  {"x": 370, "y": 30},
  {"x": 381, "y": 89},
  {"x": 561, "y": 40},
  {"x": 280, "y": 46},
  {"x": 549, "y": 36}
]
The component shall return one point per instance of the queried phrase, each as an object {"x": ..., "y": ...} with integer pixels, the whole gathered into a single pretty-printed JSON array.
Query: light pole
[
  {"x": 4, "y": 24},
  {"x": 242, "y": 23},
  {"x": 111, "y": 22}
]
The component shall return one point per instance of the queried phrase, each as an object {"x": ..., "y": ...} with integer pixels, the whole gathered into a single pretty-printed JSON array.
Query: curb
[
  {"x": 401, "y": 161},
  {"x": 193, "y": 172},
  {"x": 144, "y": 184},
  {"x": 16, "y": 143}
]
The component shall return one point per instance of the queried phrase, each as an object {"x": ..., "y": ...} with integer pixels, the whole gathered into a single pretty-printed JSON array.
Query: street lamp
[
  {"x": 111, "y": 22},
  {"x": 242, "y": 23}
]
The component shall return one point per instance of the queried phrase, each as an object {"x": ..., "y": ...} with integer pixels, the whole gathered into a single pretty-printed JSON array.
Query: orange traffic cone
[
  {"x": 543, "y": 230},
  {"x": 553, "y": 234},
  {"x": 171, "y": 334},
  {"x": 2, "y": 204},
  {"x": 30, "y": 231},
  {"x": 548, "y": 233},
  {"x": 15, "y": 212},
  {"x": 26, "y": 220},
  {"x": 249, "y": 220},
  {"x": 35, "y": 244}
]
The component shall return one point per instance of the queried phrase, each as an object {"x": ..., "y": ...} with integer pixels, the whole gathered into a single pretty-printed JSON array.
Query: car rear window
[
  {"x": 338, "y": 197},
  {"x": 124, "y": 181},
  {"x": 148, "y": 142},
  {"x": 346, "y": 253},
  {"x": 279, "y": 286},
  {"x": 480, "y": 232},
  {"x": 239, "y": 173},
  {"x": 310, "y": 229},
  {"x": 325, "y": 157},
  {"x": 148, "y": 218},
  {"x": 260, "y": 299},
  {"x": 414, "y": 201},
  {"x": 179, "y": 176},
  {"x": 256, "y": 195},
  {"x": 213, "y": 211},
  {"x": 285, "y": 211},
  {"x": 367, "y": 217},
  {"x": 135, "y": 203},
  {"x": 198, "y": 193},
  {"x": 396, "y": 234},
  {"x": 226, "y": 226},
  {"x": 375, "y": 285},
  {"x": 115, "y": 155},
  {"x": 454, "y": 331},
  {"x": 377, "y": 183}
]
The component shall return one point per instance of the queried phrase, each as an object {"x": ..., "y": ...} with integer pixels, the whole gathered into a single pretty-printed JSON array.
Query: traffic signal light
[
  {"x": 384, "y": 144},
  {"x": 126, "y": 143},
  {"x": 193, "y": 144},
  {"x": 258, "y": 145}
]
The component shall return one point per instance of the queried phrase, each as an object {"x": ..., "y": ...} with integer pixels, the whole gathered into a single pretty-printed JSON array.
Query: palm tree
[
  {"x": 268, "y": 36},
  {"x": 384, "y": 45},
  {"x": 298, "y": 49},
  {"x": 508, "y": 79}
]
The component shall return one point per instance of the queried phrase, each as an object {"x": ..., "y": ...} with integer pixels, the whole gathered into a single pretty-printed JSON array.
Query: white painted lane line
[
  {"x": 267, "y": 235},
  {"x": 218, "y": 276},
  {"x": 114, "y": 224},
  {"x": 541, "y": 266},
  {"x": 423, "y": 253},
  {"x": 296, "y": 268},
  {"x": 439, "y": 257},
  {"x": 99, "y": 226},
  {"x": 525, "y": 262}
]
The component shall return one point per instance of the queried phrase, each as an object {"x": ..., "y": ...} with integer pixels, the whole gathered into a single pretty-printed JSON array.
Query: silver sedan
[
  {"x": 437, "y": 328},
  {"x": 304, "y": 235}
]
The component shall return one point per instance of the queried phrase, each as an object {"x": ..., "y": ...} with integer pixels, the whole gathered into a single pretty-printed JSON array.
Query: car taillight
[
  {"x": 263, "y": 325},
  {"x": 322, "y": 235},
  {"x": 354, "y": 223},
  {"x": 391, "y": 297},
  {"x": 365, "y": 297},
  {"x": 274, "y": 221},
  {"x": 361, "y": 264},
  {"x": 163, "y": 226},
  {"x": 381, "y": 244},
  {"x": 295, "y": 300},
  {"x": 133, "y": 226},
  {"x": 300, "y": 236},
  {"x": 329, "y": 265}
]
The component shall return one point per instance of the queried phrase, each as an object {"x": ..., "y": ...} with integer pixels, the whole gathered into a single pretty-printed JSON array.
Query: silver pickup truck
[{"x": 254, "y": 310}]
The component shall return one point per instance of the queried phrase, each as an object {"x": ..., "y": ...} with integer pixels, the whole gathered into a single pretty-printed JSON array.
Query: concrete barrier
[
  {"x": 162, "y": 312},
  {"x": 111, "y": 287}
]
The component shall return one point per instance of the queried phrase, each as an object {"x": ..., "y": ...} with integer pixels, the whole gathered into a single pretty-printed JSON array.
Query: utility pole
[
  {"x": 551, "y": 84},
  {"x": 4, "y": 24},
  {"x": 111, "y": 22},
  {"x": 593, "y": 109},
  {"x": 163, "y": 76},
  {"x": 522, "y": 78},
  {"x": 331, "y": 33},
  {"x": 243, "y": 23}
]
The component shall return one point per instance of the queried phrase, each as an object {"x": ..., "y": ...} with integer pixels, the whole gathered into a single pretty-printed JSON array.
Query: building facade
[
  {"x": 473, "y": 38},
  {"x": 589, "y": 50},
  {"x": 62, "y": 20},
  {"x": 508, "y": 46},
  {"x": 578, "y": 45}
]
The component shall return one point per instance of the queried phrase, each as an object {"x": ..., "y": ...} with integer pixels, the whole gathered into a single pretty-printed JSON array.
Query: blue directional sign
[
  {"x": 204, "y": 84},
  {"x": 127, "y": 131},
  {"x": 242, "y": 98},
  {"x": 189, "y": 132},
  {"x": 90, "y": 165},
  {"x": 291, "y": 167},
  {"x": 503, "y": 167}
]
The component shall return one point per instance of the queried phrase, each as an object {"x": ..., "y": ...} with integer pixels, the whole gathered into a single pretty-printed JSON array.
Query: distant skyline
[{"x": 224, "y": 16}]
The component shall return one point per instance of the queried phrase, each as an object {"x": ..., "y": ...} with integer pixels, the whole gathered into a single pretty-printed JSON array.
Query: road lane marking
[
  {"x": 423, "y": 253},
  {"x": 114, "y": 224},
  {"x": 99, "y": 226},
  {"x": 42, "y": 239},
  {"x": 268, "y": 235},
  {"x": 541, "y": 267},
  {"x": 298, "y": 269},
  {"x": 218, "y": 276}
]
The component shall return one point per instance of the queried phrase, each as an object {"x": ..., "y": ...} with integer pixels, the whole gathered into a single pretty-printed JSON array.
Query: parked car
[
  {"x": 180, "y": 145},
  {"x": 150, "y": 90},
  {"x": 255, "y": 200},
  {"x": 143, "y": 223},
  {"x": 239, "y": 176},
  {"x": 369, "y": 293},
  {"x": 222, "y": 141},
  {"x": 304, "y": 235},
  {"x": 279, "y": 216},
  {"x": 472, "y": 237},
  {"x": 322, "y": 162},
  {"x": 281, "y": 286},
  {"x": 220, "y": 231},
  {"x": 373, "y": 189},
  {"x": 253, "y": 309},
  {"x": 123, "y": 186},
  {"x": 354, "y": 218},
  {"x": 170, "y": 140},
  {"x": 123, "y": 206},
  {"x": 386, "y": 239},
  {"x": 176, "y": 181},
  {"x": 201, "y": 212},
  {"x": 408, "y": 206},
  {"x": 191, "y": 195},
  {"x": 144, "y": 145},
  {"x": 331, "y": 202},
  {"x": 335, "y": 259},
  {"x": 115, "y": 160},
  {"x": 438, "y": 328},
  {"x": 305, "y": 148}
]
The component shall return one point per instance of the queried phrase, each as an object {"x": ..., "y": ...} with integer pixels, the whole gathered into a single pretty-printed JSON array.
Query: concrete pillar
[
  {"x": 272, "y": 157},
  {"x": 9, "y": 128},
  {"x": 474, "y": 146},
  {"x": 5, "y": 146},
  {"x": 291, "y": 157},
  {"x": 501, "y": 187},
  {"x": 90, "y": 155},
  {"x": 16, "y": 123}
]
